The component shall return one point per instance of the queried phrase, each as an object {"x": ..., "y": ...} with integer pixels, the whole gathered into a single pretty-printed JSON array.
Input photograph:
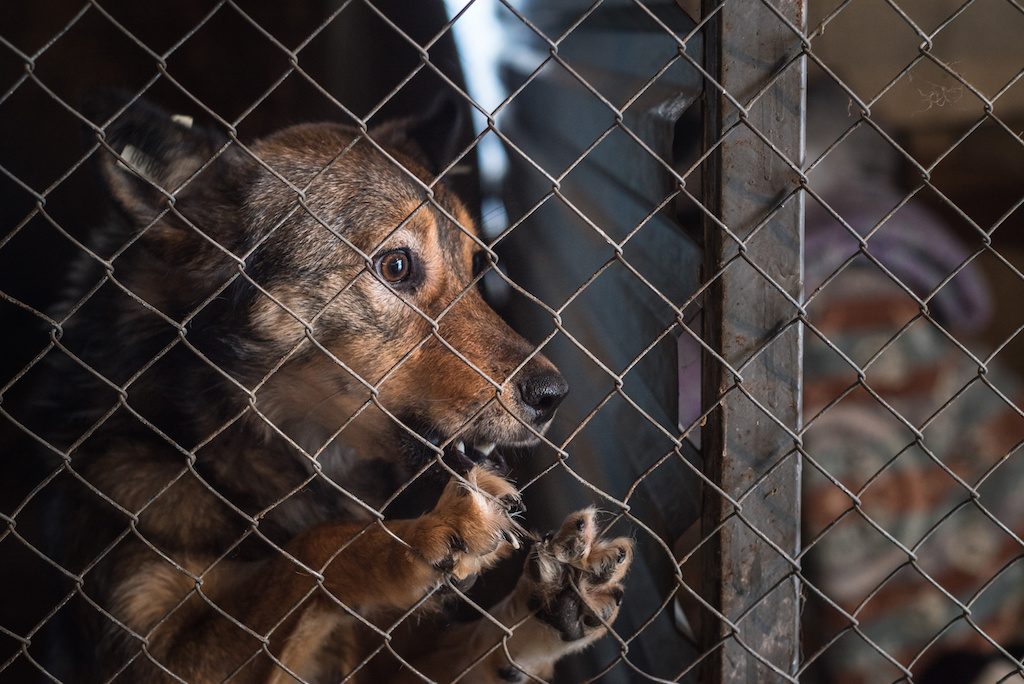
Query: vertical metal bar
[{"x": 754, "y": 460}]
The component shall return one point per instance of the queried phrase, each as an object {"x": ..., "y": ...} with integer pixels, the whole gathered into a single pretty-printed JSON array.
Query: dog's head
[{"x": 352, "y": 312}]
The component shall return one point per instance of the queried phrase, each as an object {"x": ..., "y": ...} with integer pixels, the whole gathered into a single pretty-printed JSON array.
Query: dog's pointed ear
[
  {"x": 435, "y": 138},
  {"x": 151, "y": 154}
]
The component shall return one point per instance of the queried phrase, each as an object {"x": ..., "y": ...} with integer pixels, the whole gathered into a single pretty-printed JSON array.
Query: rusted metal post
[{"x": 750, "y": 442}]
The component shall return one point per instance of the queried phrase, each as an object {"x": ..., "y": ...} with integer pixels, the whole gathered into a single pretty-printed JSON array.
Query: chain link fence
[{"x": 770, "y": 244}]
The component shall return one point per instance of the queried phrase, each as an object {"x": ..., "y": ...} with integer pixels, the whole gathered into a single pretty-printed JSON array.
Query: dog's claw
[{"x": 511, "y": 539}]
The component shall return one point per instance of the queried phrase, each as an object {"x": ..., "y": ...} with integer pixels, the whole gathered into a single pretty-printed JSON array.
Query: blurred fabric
[{"x": 908, "y": 496}]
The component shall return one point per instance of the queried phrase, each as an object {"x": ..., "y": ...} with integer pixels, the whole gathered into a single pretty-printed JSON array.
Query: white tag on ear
[
  {"x": 138, "y": 159},
  {"x": 182, "y": 119}
]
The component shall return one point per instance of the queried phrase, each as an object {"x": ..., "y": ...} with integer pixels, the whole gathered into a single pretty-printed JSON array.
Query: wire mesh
[{"x": 819, "y": 554}]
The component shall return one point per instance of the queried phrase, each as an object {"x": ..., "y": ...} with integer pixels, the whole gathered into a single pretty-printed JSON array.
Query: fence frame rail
[{"x": 753, "y": 233}]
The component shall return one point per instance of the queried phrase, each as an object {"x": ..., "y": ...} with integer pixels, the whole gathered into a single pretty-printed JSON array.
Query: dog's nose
[{"x": 542, "y": 392}]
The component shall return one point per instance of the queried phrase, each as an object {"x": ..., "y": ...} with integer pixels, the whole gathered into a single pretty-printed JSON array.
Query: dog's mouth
[{"x": 461, "y": 453}]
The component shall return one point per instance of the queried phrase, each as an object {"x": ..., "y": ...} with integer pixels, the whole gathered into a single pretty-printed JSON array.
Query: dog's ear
[
  {"x": 153, "y": 154},
  {"x": 434, "y": 138}
]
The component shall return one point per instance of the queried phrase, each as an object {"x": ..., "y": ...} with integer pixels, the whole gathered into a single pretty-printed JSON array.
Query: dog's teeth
[
  {"x": 460, "y": 446},
  {"x": 485, "y": 449},
  {"x": 182, "y": 120}
]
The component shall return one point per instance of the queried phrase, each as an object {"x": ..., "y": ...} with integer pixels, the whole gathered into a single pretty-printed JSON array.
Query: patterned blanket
[{"x": 930, "y": 562}]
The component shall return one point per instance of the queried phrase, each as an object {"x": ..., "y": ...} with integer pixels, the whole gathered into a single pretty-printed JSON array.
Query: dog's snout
[{"x": 542, "y": 392}]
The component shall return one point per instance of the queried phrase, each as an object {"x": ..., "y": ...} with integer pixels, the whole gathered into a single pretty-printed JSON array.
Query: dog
[{"x": 268, "y": 342}]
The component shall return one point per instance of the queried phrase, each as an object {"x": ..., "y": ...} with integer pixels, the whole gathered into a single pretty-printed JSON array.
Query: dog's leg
[
  {"x": 362, "y": 569},
  {"x": 468, "y": 531},
  {"x": 568, "y": 596}
]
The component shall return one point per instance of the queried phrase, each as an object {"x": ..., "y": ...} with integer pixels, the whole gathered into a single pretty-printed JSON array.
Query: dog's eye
[{"x": 395, "y": 266}]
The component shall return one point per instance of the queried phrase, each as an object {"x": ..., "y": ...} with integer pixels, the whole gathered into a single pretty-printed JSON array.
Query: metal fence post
[{"x": 754, "y": 238}]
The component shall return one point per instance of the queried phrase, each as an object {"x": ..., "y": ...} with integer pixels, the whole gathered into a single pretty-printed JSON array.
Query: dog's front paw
[
  {"x": 470, "y": 528},
  {"x": 576, "y": 578}
]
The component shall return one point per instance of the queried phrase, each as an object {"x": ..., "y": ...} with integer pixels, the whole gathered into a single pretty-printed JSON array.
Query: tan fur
[
  {"x": 150, "y": 595},
  {"x": 300, "y": 654}
]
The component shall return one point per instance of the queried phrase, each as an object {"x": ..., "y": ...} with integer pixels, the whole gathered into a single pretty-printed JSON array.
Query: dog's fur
[{"x": 242, "y": 377}]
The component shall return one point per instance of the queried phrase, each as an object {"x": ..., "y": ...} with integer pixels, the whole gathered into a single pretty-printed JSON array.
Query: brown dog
[{"x": 279, "y": 337}]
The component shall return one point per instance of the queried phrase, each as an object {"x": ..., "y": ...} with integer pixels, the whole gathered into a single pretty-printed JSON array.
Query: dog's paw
[
  {"x": 575, "y": 577},
  {"x": 470, "y": 528}
]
